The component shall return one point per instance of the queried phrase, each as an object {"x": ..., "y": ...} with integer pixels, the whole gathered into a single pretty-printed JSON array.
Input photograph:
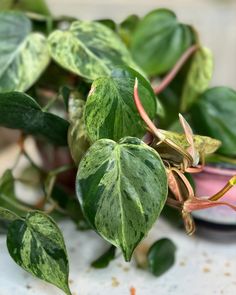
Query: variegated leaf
[
  {"x": 204, "y": 145},
  {"x": 77, "y": 137},
  {"x": 122, "y": 188},
  {"x": 37, "y": 245},
  {"x": 159, "y": 40},
  {"x": 20, "y": 111},
  {"x": 23, "y": 55},
  {"x": 89, "y": 49},
  {"x": 7, "y": 214},
  {"x": 110, "y": 111},
  {"x": 198, "y": 77}
]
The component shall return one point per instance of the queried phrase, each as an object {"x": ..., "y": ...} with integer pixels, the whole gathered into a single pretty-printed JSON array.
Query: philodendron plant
[{"x": 110, "y": 94}]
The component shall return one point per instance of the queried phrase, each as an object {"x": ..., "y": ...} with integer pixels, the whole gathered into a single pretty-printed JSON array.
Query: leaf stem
[{"x": 172, "y": 74}]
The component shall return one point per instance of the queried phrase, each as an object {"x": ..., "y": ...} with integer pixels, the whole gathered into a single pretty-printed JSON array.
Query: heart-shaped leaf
[
  {"x": 198, "y": 77},
  {"x": 161, "y": 256},
  {"x": 110, "y": 110},
  {"x": 214, "y": 114},
  {"x": 89, "y": 49},
  {"x": 20, "y": 111},
  {"x": 37, "y": 245},
  {"x": 23, "y": 54},
  {"x": 122, "y": 188},
  {"x": 159, "y": 40}
]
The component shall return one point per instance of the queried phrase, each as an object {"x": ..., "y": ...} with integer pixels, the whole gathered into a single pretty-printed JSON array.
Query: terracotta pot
[{"x": 209, "y": 182}]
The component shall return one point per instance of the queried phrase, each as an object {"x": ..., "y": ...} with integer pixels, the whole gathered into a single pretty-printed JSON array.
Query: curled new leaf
[
  {"x": 110, "y": 111},
  {"x": 24, "y": 55},
  {"x": 122, "y": 188},
  {"x": 20, "y": 111},
  {"x": 37, "y": 245}
]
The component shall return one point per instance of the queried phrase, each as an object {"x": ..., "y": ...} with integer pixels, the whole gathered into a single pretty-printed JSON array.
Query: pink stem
[{"x": 171, "y": 75}]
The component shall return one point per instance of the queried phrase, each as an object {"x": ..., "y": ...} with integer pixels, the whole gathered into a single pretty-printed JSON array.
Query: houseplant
[{"x": 89, "y": 88}]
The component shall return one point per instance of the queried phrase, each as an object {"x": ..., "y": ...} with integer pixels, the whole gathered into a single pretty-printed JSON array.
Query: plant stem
[{"x": 172, "y": 74}]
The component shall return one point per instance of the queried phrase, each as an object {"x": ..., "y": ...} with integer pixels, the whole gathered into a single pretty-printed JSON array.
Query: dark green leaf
[
  {"x": 108, "y": 23},
  {"x": 159, "y": 40},
  {"x": 23, "y": 54},
  {"x": 105, "y": 259},
  {"x": 89, "y": 49},
  {"x": 20, "y": 111},
  {"x": 214, "y": 114},
  {"x": 77, "y": 137},
  {"x": 122, "y": 188},
  {"x": 198, "y": 77},
  {"x": 110, "y": 111},
  {"x": 36, "y": 244},
  {"x": 161, "y": 256}
]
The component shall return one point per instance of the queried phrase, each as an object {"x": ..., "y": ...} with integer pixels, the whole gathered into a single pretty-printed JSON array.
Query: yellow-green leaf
[
  {"x": 89, "y": 49},
  {"x": 23, "y": 54}
]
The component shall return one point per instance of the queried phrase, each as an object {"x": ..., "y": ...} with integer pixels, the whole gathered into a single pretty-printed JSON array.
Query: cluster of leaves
[{"x": 86, "y": 72}]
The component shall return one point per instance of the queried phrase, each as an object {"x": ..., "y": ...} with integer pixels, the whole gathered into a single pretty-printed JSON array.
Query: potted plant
[{"x": 87, "y": 91}]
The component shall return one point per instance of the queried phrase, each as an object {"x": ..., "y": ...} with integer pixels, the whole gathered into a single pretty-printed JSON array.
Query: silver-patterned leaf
[
  {"x": 23, "y": 55},
  {"x": 110, "y": 111},
  {"x": 77, "y": 136},
  {"x": 37, "y": 245},
  {"x": 122, "y": 188},
  {"x": 89, "y": 49},
  {"x": 198, "y": 77}
]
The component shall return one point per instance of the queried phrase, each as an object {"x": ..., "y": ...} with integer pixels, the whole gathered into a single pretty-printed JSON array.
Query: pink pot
[{"x": 209, "y": 182}]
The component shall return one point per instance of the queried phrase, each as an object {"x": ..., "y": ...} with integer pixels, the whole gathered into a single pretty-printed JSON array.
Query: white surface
[{"x": 201, "y": 268}]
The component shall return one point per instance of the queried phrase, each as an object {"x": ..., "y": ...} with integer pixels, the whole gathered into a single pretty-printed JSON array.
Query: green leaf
[
  {"x": 36, "y": 6},
  {"x": 7, "y": 214},
  {"x": 77, "y": 137},
  {"x": 23, "y": 54},
  {"x": 5, "y": 4},
  {"x": 89, "y": 49},
  {"x": 198, "y": 77},
  {"x": 105, "y": 259},
  {"x": 159, "y": 40},
  {"x": 110, "y": 111},
  {"x": 161, "y": 256},
  {"x": 214, "y": 114},
  {"x": 20, "y": 111},
  {"x": 122, "y": 188},
  {"x": 8, "y": 198},
  {"x": 37, "y": 245},
  {"x": 127, "y": 28}
]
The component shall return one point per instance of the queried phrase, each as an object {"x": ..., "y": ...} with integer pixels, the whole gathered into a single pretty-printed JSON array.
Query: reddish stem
[{"x": 171, "y": 75}]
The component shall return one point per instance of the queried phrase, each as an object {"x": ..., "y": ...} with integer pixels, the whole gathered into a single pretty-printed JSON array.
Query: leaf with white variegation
[
  {"x": 122, "y": 188},
  {"x": 89, "y": 49},
  {"x": 37, "y": 245},
  {"x": 198, "y": 77},
  {"x": 23, "y": 55},
  {"x": 110, "y": 111}
]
